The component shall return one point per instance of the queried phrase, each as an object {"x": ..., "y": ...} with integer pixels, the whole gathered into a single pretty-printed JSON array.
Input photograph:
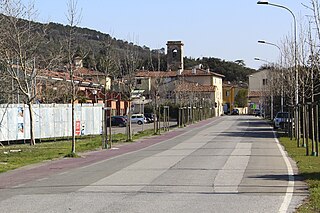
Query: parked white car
[
  {"x": 138, "y": 118},
  {"x": 281, "y": 120}
]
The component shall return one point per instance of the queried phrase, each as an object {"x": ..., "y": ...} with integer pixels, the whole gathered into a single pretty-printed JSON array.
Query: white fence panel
[
  {"x": 50, "y": 120},
  {"x": 37, "y": 120},
  {"x": 59, "y": 123},
  {"x": 97, "y": 124},
  {"x": 26, "y": 122},
  {"x": 4, "y": 130},
  {"x": 12, "y": 124},
  {"x": 68, "y": 117},
  {"x": 84, "y": 120}
]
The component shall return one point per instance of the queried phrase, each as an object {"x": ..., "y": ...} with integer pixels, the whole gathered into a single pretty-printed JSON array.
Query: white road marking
[
  {"x": 43, "y": 179},
  {"x": 289, "y": 193},
  {"x": 63, "y": 173},
  {"x": 229, "y": 177},
  {"x": 18, "y": 186}
]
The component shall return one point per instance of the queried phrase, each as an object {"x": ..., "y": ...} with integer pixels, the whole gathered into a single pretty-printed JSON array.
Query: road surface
[
  {"x": 137, "y": 128},
  {"x": 225, "y": 164}
]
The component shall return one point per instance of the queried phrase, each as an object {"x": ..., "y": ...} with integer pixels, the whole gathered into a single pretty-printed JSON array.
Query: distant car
[
  {"x": 257, "y": 112},
  {"x": 149, "y": 117},
  {"x": 138, "y": 118},
  {"x": 117, "y": 121},
  {"x": 235, "y": 112},
  {"x": 281, "y": 120}
]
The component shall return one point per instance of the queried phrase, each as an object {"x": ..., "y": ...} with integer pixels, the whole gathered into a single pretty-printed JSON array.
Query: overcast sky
[{"x": 226, "y": 29}]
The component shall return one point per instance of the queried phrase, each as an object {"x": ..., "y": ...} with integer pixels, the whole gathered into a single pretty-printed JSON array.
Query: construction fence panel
[{"x": 50, "y": 120}]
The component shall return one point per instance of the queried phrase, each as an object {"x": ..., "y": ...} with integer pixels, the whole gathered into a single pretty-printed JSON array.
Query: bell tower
[{"x": 174, "y": 55}]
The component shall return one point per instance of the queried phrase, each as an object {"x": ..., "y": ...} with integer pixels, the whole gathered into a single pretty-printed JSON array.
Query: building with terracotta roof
[
  {"x": 184, "y": 87},
  {"x": 88, "y": 83}
]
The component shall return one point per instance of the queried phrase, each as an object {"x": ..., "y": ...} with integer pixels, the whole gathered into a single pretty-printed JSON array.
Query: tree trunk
[
  {"x": 73, "y": 147},
  {"x": 312, "y": 130},
  {"x": 32, "y": 139},
  {"x": 303, "y": 118},
  {"x": 317, "y": 129},
  {"x": 155, "y": 117},
  {"x": 129, "y": 130},
  {"x": 105, "y": 132},
  {"x": 73, "y": 96},
  {"x": 307, "y": 130}
]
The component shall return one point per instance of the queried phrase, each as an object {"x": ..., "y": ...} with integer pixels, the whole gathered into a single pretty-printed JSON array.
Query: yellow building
[{"x": 229, "y": 92}]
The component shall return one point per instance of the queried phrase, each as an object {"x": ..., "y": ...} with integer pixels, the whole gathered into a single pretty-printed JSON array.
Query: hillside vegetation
[{"x": 102, "y": 52}]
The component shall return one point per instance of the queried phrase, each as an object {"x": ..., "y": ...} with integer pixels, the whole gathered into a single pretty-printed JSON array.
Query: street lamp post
[
  {"x": 295, "y": 62},
  {"x": 259, "y": 59},
  {"x": 269, "y": 43}
]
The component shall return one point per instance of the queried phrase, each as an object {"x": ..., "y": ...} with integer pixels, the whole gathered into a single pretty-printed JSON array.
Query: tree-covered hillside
[
  {"x": 102, "y": 52},
  {"x": 233, "y": 71},
  {"x": 94, "y": 47}
]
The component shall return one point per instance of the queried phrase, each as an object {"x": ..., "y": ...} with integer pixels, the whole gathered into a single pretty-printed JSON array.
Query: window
[
  {"x": 264, "y": 81},
  {"x": 227, "y": 93},
  {"x": 169, "y": 95},
  {"x": 138, "y": 81},
  {"x": 174, "y": 53}
]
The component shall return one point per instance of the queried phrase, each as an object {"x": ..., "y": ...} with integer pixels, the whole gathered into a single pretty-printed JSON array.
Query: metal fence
[{"x": 50, "y": 121}]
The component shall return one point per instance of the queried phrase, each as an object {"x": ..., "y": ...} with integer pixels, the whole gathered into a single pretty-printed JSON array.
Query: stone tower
[{"x": 174, "y": 55}]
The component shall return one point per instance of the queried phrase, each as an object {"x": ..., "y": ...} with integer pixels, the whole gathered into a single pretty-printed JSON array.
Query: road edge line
[{"x": 289, "y": 193}]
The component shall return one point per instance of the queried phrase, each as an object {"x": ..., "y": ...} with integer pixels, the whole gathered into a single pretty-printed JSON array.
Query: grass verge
[
  {"x": 309, "y": 168},
  {"x": 16, "y": 156}
]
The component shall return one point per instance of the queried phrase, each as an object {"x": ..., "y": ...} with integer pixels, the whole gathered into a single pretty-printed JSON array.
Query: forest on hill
[
  {"x": 93, "y": 46},
  {"x": 101, "y": 52}
]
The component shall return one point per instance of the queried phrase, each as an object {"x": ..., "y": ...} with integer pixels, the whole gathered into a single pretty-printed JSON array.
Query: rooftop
[{"x": 187, "y": 72}]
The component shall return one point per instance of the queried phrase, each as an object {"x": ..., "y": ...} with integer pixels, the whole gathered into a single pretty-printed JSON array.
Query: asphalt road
[
  {"x": 226, "y": 164},
  {"x": 136, "y": 127}
]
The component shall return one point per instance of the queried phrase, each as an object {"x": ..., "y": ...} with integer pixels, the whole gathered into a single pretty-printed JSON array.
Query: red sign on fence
[{"x": 78, "y": 127}]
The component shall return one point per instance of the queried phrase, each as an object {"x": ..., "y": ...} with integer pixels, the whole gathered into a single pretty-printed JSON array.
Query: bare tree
[
  {"x": 288, "y": 72},
  {"x": 20, "y": 42},
  {"x": 130, "y": 63},
  {"x": 108, "y": 63},
  {"x": 312, "y": 72},
  {"x": 7, "y": 89},
  {"x": 73, "y": 17}
]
